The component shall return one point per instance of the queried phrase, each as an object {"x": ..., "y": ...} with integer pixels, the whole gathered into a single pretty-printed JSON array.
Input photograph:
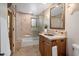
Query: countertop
[{"x": 54, "y": 37}]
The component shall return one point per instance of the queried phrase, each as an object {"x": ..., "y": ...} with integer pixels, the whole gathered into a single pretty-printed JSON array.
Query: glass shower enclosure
[{"x": 37, "y": 27}]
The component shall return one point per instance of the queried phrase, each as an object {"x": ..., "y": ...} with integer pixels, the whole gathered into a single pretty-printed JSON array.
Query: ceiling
[{"x": 33, "y": 8}]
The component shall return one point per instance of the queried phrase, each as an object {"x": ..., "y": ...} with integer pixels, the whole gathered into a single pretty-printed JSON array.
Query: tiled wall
[
  {"x": 23, "y": 25},
  {"x": 26, "y": 24}
]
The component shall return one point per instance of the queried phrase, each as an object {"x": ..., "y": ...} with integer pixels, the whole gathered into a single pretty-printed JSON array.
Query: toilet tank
[{"x": 75, "y": 48}]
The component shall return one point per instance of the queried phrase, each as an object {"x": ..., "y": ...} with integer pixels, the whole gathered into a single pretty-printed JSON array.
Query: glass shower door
[{"x": 35, "y": 31}]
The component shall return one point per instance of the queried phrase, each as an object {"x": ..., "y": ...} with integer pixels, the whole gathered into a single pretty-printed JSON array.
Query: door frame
[{"x": 12, "y": 29}]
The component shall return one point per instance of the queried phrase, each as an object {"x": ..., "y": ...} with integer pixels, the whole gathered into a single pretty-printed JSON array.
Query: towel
[{"x": 54, "y": 51}]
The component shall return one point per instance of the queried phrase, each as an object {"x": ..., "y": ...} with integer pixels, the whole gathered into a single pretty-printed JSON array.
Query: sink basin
[{"x": 49, "y": 34}]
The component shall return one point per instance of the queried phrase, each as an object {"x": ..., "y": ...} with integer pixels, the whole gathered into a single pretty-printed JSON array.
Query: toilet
[{"x": 75, "y": 48}]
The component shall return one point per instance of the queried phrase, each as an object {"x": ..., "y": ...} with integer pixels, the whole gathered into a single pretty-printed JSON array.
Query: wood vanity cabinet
[{"x": 45, "y": 46}]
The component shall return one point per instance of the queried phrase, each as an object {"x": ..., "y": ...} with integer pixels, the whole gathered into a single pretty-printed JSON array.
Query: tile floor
[{"x": 28, "y": 51}]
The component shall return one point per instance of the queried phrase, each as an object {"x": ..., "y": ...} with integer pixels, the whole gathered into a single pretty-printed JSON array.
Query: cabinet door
[
  {"x": 48, "y": 51},
  {"x": 63, "y": 47},
  {"x": 41, "y": 45}
]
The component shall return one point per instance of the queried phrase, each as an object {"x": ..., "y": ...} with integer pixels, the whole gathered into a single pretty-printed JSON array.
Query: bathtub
[{"x": 28, "y": 40}]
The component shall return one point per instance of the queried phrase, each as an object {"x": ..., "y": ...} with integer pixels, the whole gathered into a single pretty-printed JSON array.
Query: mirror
[{"x": 57, "y": 19}]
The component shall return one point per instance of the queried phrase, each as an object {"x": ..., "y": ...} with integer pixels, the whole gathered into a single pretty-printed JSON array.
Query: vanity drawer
[
  {"x": 63, "y": 42},
  {"x": 42, "y": 39},
  {"x": 54, "y": 42}
]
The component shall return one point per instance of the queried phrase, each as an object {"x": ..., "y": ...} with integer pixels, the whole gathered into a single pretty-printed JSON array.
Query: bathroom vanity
[{"x": 46, "y": 42}]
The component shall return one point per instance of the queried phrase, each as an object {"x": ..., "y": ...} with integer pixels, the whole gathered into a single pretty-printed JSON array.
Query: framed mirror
[{"x": 57, "y": 17}]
